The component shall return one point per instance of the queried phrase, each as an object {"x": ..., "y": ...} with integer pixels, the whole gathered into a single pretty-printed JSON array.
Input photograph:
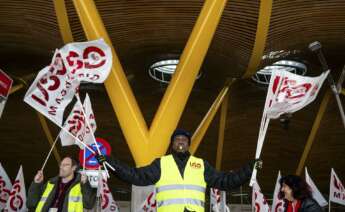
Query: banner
[
  {"x": 150, "y": 204},
  {"x": 218, "y": 201},
  {"x": 259, "y": 202},
  {"x": 291, "y": 92},
  {"x": 108, "y": 202},
  {"x": 287, "y": 93},
  {"x": 52, "y": 90},
  {"x": 17, "y": 199},
  {"x": 76, "y": 124},
  {"x": 315, "y": 192},
  {"x": 5, "y": 187},
  {"x": 88, "y": 61},
  {"x": 5, "y": 88},
  {"x": 277, "y": 204},
  {"x": 336, "y": 189}
]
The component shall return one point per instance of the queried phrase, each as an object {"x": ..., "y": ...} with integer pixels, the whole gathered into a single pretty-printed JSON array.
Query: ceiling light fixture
[
  {"x": 163, "y": 70},
  {"x": 263, "y": 75}
]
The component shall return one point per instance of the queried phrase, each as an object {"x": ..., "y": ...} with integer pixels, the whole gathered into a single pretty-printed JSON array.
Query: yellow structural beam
[
  {"x": 16, "y": 88},
  {"x": 205, "y": 123},
  {"x": 146, "y": 144},
  {"x": 260, "y": 37},
  {"x": 221, "y": 132},
  {"x": 62, "y": 20},
  {"x": 314, "y": 129},
  {"x": 49, "y": 136}
]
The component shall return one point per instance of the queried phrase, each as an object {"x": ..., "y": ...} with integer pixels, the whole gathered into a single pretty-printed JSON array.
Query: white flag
[
  {"x": 218, "y": 200},
  {"x": 259, "y": 202},
  {"x": 150, "y": 204},
  {"x": 336, "y": 189},
  {"x": 76, "y": 124},
  {"x": 291, "y": 92},
  {"x": 5, "y": 187},
  {"x": 277, "y": 204},
  {"x": 88, "y": 61},
  {"x": 315, "y": 192},
  {"x": 52, "y": 90},
  {"x": 17, "y": 199},
  {"x": 287, "y": 93},
  {"x": 108, "y": 202}
]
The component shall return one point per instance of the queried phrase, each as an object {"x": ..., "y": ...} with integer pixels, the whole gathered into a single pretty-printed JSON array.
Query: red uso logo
[
  {"x": 16, "y": 201},
  {"x": 105, "y": 193},
  {"x": 4, "y": 192},
  {"x": 279, "y": 207},
  {"x": 49, "y": 84},
  {"x": 337, "y": 184},
  {"x": 195, "y": 165},
  {"x": 92, "y": 58},
  {"x": 150, "y": 203},
  {"x": 77, "y": 123}
]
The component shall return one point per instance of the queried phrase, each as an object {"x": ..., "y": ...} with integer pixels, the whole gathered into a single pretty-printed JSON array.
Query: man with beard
[{"x": 180, "y": 178}]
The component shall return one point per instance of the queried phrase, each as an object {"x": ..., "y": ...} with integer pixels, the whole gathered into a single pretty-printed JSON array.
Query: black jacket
[
  {"x": 307, "y": 205},
  {"x": 36, "y": 190},
  {"x": 150, "y": 174}
]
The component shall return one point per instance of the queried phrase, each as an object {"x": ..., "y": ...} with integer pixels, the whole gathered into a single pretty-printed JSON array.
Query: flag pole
[
  {"x": 50, "y": 151},
  {"x": 93, "y": 135},
  {"x": 329, "y": 196},
  {"x": 83, "y": 144},
  {"x": 84, "y": 160}
]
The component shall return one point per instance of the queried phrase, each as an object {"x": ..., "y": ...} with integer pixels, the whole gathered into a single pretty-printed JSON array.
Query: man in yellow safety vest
[
  {"x": 180, "y": 178},
  {"x": 67, "y": 192}
]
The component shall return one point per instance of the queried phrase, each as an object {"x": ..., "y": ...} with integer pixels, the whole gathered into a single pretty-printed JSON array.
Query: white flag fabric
[
  {"x": 287, "y": 93},
  {"x": 76, "y": 124},
  {"x": 259, "y": 202},
  {"x": 218, "y": 200},
  {"x": 5, "y": 187},
  {"x": 150, "y": 204},
  {"x": 108, "y": 202},
  {"x": 17, "y": 199},
  {"x": 52, "y": 90},
  {"x": 315, "y": 192},
  {"x": 88, "y": 61},
  {"x": 291, "y": 92},
  {"x": 277, "y": 204},
  {"x": 336, "y": 189}
]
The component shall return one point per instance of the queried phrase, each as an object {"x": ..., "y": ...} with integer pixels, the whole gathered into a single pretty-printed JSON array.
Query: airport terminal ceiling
[{"x": 146, "y": 31}]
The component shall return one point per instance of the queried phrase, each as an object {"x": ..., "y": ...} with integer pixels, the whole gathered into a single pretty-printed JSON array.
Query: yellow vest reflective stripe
[
  {"x": 75, "y": 198},
  {"x": 174, "y": 193},
  {"x": 44, "y": 197}
]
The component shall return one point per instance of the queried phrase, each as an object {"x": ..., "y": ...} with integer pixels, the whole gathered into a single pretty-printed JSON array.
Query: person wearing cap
[{"x": 180, "y": 178}]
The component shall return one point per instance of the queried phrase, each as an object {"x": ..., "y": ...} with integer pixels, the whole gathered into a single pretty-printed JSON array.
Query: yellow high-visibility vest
[
  {"x": 174, "y": 193},
  {"x": 75, "y": 198}
]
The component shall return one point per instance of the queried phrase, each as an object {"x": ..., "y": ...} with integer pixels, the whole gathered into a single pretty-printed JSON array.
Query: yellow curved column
[{"x": 145, "y": 145}]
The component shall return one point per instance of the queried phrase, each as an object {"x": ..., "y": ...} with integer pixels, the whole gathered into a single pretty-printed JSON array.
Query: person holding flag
[
  {"x": 69, "y": 191},
  {"x": 181, "y": 178},
  {"x": 297, "y": 195}
]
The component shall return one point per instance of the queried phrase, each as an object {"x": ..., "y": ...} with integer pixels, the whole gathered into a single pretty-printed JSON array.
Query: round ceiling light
[
  {"x": 263, "y": 75},
  {"x": 163, "y": 70}
]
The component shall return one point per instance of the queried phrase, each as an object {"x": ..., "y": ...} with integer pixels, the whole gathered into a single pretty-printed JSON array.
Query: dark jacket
[
  {"x": 150, "y": 174},
  {"x": 36, "y": 190},
  {"x": 307, "y": 205}
]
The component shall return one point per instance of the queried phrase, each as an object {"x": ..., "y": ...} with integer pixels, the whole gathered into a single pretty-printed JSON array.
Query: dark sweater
[{"x": 150, "y": 174}]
